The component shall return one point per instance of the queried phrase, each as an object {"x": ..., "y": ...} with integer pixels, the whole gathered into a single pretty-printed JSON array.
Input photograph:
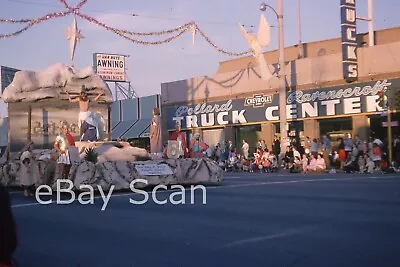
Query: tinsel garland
[{"x": 178, "y": 31}]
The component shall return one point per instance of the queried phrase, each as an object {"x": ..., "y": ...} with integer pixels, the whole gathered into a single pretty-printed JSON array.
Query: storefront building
[{"x": 236, "y": 104}]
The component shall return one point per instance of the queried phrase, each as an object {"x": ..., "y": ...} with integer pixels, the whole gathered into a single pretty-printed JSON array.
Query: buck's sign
[
  {"x": 337, "y": 100},
  {"x": 349, "y": 40}
]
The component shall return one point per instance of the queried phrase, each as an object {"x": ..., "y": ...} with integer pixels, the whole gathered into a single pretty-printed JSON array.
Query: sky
[{"x": 149, "y": 66}]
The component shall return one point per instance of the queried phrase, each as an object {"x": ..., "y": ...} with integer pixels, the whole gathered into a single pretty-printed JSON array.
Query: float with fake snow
[{"x": 38, "y": 106}]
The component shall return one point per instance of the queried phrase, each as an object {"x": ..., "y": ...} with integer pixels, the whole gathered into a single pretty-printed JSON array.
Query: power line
[
  {"x": 33, "y": 3},
  {"x": 137, "y": 15}
]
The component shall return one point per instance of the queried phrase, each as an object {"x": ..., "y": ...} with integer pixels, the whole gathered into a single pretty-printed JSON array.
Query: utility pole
[
  {"x": 389, "y": 133},
  {"x": 282, "y": 80},
  {"x": 369, "y": 19},
  {"x": 371, "y": 23},
  {"x": 386, "y": 102},
  {"x": 299, "y": 29},
  {"x": 283, "y": 126}
]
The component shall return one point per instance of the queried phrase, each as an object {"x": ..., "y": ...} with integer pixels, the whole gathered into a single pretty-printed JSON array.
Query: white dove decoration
[
  {"x": 73, "y": 35},
  {"x": 257, "y": 43}
]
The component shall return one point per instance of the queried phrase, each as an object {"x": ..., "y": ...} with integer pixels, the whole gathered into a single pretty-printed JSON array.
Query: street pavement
[{"x": 251, "y": 219}]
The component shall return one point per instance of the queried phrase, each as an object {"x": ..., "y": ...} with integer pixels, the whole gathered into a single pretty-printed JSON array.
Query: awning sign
[{"x": 110, "y": 67}]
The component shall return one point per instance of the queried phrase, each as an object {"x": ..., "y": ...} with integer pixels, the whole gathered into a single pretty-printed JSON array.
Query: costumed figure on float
[
  {"x": 156, "y": 147},
  {"x": 83, "y": 101},
  {"x": 90, "y": 129},
  {"x": 180, "y": 137}
]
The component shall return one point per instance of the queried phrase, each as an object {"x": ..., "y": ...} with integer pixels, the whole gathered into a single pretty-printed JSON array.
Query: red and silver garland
[{"x": 128, "y": 35}]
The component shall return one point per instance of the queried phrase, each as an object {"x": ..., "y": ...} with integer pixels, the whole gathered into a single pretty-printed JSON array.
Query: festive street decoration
[
  {"x": 31, "y": 22},
  {"x": 257, "y": 43},
  {"x": 177, "y": 32},
  {"x": 73, "y": 35}
]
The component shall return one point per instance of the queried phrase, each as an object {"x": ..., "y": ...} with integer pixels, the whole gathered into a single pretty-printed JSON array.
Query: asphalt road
[{"x": 250, "y": 220}]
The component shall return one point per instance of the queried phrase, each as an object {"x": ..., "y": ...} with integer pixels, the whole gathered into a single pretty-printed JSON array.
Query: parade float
[{"x": 38, "y": 106}]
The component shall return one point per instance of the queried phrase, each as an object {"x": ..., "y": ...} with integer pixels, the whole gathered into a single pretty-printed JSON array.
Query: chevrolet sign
[{"x": 258, "y": 101}]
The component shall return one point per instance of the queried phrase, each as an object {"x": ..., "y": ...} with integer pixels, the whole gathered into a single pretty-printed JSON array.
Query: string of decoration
[
  {"x": 179, "y": 28},
  {"x": 121, "y": 32},
  {"x": 30, "y": 22},
  {"x": 15, "y": 20},
  {"x": 126, "y": 34}
]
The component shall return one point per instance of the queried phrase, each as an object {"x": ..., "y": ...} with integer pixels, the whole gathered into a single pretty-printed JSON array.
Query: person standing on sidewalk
[
  {"x": 326, "y": 150},
  {"x": 245, "y": 150},
  {"x": 314, "y": 147}
]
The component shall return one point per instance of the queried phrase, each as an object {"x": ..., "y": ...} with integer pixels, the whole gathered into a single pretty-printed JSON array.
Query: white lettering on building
[
  {"x": 301, "y": 97},
  {"x": 191, "y": 121},
  {"x": 291, "y": 112},
  {"x": 352, "y": 105},
  {"x": 238, "y": 117},
  {"x": 203, "y": 108},
  {"x": 178, "y": 120},
  {"x": 330, "y": 106},
  {"x": 209, "y": 122},
  {"x": 373, "y": 103},
  {"x": 220, "y": 118},
  {"x": 269, "y": 113},
  {"x": 310, "y": 110},
  {"x": 300, "y": 104}
]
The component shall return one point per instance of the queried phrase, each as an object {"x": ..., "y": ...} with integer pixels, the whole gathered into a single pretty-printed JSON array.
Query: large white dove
[{"x": 257, "y": 43}]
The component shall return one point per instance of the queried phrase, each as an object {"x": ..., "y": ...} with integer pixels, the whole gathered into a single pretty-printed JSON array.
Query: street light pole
[
  {"x": 299, "y": 26},
  {"x": 282, "y": 75},
  {"x": 282, "y": 80},
  {"x": 370, "y": 20}
]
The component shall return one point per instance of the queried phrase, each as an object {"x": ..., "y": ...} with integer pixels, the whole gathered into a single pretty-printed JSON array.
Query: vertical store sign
[{"x": 349, "y": 39}]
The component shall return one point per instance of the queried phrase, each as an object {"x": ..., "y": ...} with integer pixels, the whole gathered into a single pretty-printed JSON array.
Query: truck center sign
[
  {"x": 110, "y": 67},
  {"x": 321, "y": 102}
]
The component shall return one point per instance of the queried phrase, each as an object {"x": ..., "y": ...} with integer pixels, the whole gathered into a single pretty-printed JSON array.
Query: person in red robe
[
  {"x": 70, "y": 139},
  {"x": 178, "y": 135}
]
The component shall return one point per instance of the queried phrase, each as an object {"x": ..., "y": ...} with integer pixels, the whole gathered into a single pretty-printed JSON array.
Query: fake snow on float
[
  {"x": 116, "y": 168},
  {"x": 28, "y": 86}
]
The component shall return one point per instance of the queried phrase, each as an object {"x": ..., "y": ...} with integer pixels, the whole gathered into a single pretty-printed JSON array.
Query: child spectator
[
  {"x": 304, "y": 162},
  {"x": 312, "y": 166},
  {"x": 321, "y": 164}
]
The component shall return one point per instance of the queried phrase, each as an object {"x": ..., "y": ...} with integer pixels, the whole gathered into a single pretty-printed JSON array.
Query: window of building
[
  {"x": 250, "y": 133},
  {"x": 327, "y": 126},
  {"x": 336, "y": 128},
  {"x": 378, "y": 126},
  {"x": 295, "y": 131}
]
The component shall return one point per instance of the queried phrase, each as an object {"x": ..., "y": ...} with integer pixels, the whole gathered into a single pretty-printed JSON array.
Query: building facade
[{"x": 236, "y": 104}]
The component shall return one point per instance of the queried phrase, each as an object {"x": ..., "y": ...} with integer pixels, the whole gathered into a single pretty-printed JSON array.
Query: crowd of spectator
[{"x": 346, "y": 154}]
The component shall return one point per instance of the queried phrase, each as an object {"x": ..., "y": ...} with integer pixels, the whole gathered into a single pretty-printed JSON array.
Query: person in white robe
[{"x": 61, "y": 144}]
